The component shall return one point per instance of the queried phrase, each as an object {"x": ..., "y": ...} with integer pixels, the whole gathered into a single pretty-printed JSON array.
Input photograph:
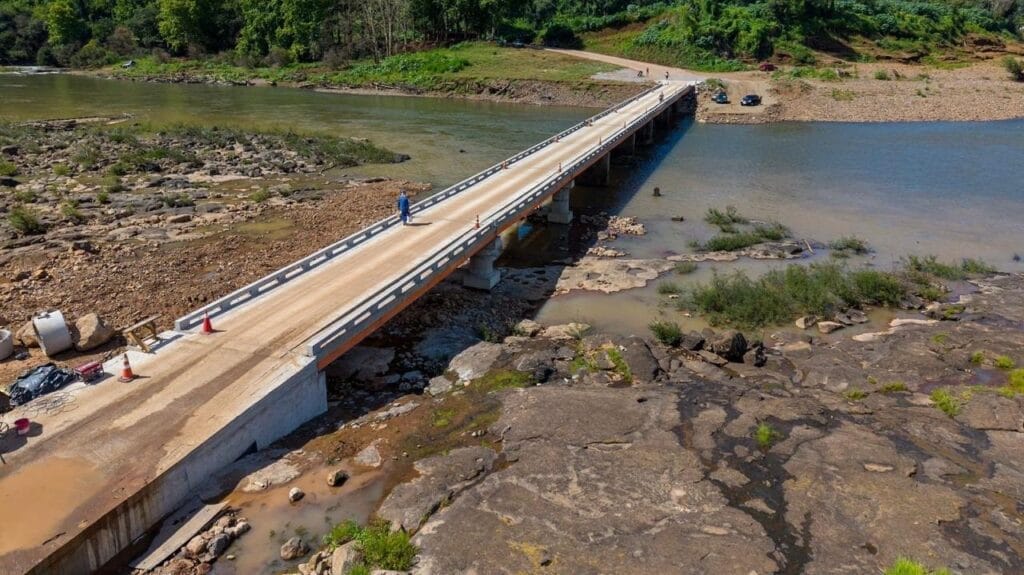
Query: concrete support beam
[
  {"x": 600, "y": 173},
  {"x": 481, "y": 273},
  {"x": 559, "y": 211}
]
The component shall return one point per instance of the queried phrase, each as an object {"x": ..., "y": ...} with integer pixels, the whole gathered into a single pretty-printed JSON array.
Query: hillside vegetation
[{"x": 708, "y": 34}]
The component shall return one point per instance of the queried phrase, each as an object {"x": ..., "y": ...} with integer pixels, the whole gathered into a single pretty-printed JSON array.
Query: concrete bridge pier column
[
  {"x": 600, "y": 173},
  {"x": 558, "y": 211},
  {"x": 481, "y": 273},
  {"x": 647, "y": 133}
]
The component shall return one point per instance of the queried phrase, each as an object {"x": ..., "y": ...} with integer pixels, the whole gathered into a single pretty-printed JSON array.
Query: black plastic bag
[{"x": 39, "y": 380}]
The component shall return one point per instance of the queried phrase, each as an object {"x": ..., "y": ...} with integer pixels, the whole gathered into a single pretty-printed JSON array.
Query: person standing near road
[
  {"x": 403, "y": 207},
  {"x": 666, "y": 74}
]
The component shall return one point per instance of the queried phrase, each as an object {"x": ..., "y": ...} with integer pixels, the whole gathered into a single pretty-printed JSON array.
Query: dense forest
[{"x": 86, "y": 33}]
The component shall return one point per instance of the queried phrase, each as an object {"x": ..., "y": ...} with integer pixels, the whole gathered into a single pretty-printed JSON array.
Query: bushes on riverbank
[{"x": 781, "y": 295}]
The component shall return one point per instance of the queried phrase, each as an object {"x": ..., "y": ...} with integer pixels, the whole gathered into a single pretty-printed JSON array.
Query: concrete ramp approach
[{"x": 107, "y": 462}]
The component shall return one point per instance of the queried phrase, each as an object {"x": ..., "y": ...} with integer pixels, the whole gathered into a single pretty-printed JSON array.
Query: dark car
[
  {"x": 751, "y": 100},
  {"x": 720, "y": 98},
  {"x": 766, "y": 67}
]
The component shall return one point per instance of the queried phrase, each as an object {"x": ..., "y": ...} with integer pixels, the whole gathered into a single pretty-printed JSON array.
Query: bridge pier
[
  {"x": 600, "y": 173},
  {"x": 481, "y": 273},
  {"x": 559, "y": 211},
  {"x": 646, "y": 133}
]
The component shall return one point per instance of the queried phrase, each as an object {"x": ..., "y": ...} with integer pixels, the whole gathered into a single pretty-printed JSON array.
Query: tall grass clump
[
  {"x": 946, "y": 402},
  {"x": 381, "y": 548},
  {"x": 904, "y": 566},
  {"x": 850, "y": 245},
  {"x": 765, "y": 435},
  {"x": 931, "y": 265},
  {"x": 667, "y": 332},
  {"x": 25, "y": 221},
  {"x": 684, "y": 268},
  {"x": 730, "y": 242},
  {"x": 669, "y": 288},
  {"x": 720, "y": 218},
  {"x": 780, "y": 295},
  {"x": 773, "y": 231},
  {"x": 8, "y": 169},
  {"x": 1014, "y": 67}
]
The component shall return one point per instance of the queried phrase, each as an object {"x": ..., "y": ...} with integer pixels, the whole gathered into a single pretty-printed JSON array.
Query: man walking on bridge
[{"x": 403, "y": 207}]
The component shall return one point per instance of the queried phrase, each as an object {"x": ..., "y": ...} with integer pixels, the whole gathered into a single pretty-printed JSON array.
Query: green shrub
[
  {"x": 850, "y": 244},
  {"x": 765, "y": 435},
  {"x": 773, "y": 231},
  {"x": 103, "y": 197},
  {"x": 61, "y": 170},
  {"x": 25, "y": 196},
  {"x": 947, "y": 402},
  {"x": 855, "y": 394},
  {"x": 1014, "y": 67},
  {"x": 732, "y": 242},
  {"x": 684, "y": 268},
  {"x": 8, "y": 169},
  {"x": 69, "y": 209},
  {"x": 894, "y": 387},
  {"x": 930, "y": 264},
  {"x": 669, "y": 288},
  {"x": 881, "y": 75},
  {"x": 181, "y": 200},
  {"x": 1005, "y": 362},
  {"x": 25, "y": 221},
  {"x": 381, "y": 548},
  {"x": 260, "y": 196},
  {"x": 731, "y": 215},
  {"x": 1014, "y": 384},
  {"x": 978, "y": 357},
  {"x": 667, "y": 332},
  {"x": 904, "y": 566},
  {"x": 842, "y": 95}
]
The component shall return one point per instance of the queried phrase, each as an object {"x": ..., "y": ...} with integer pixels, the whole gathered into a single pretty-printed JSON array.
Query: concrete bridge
[{"x": 114, "y": 459}]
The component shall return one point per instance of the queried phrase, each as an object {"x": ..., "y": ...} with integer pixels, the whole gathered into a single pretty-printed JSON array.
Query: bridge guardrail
[
  {"x": 266, "y": 283},
  {"x": 386, "y": 299}
]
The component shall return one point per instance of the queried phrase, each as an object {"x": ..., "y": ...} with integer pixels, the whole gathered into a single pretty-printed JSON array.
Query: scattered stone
[
  {"x": 295, "y": 494},
  {"x": 91, "y": 332},
  {"x": 345, "y": 558},
  {"x": 337, "y": 478},
  {"x": 878, "y": 467},
  {"x": 26, "y": 335},
  {"x": 369, "y": 456},
  {"x": 829, "y": 326},
  {"x": 528, "y": 328},
  {"x": 806, "y": 321},
  {"x": 730, "y": 345},
  {"x": 474, "y": 362},
  {"x": 439, "y": 385},
  {"x": 566, "y": 331},
  {"x": 692, "y": 341},
  {"x": 293, "y": 549},
  {"x": 712, "y": 358},
  {"x": 857, "y": 316}
]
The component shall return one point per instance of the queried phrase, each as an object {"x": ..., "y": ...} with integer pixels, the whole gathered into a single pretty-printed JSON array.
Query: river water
[{"x": 951, "y": 189}]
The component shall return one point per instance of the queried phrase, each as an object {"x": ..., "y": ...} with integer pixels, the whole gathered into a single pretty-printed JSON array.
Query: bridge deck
[{"x": 115, "y": 438}]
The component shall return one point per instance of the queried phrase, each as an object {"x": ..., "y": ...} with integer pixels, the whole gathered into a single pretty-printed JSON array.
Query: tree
[{"x": 64, "y": 23}]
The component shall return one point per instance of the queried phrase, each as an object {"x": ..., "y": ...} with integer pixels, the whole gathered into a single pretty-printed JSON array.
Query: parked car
[
  {"x": 766, "y": 67},
  {"x": 720, "y": 97},
  {"x": 751, "y": 100}
]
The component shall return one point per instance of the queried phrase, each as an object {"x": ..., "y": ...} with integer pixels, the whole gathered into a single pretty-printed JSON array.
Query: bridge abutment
[
  {"x": 481, "y": 273},
  {"x": 559, "y": 211}
]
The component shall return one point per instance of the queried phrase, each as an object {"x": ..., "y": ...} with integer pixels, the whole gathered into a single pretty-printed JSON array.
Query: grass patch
[
  {"x": 25, "y": 221},
  {"x": 882, "y": 75},
  {"x": 667, "y": 332},
  {"x": 8, "y": 169},
  {"x": 940, "y": 338},
  {"x": 978, "y": 357},
  {"x": 850, "y": 244},
  {"x": 61, "y": 170},
  {"x": 904, "y": 566},
  {"x": 621, "y": 367},
  {"x": 946, "y": 402},
  {"x": 684, "y": 268},
  {"x": 1014, "y": 385},
  {"x": 25, "y": 196},
  {"x": 765, "y": 435},
  {"x": 442, "y": 417},
  {"x": 720, "y": 218},
  {"x": 780, "y": 295},
  {"x": 69, "y": 209},
  {"x": 503, "y": 379},
  {"x": 381, "y": 547},
  {"x": 894, "y": 387},
  {"x": 1005, "y": 362},
  {"x": 773, "y": 231},
  {"x": 730, "y": 242},
  {"x": 855, "y": 394},
  {"x": 967, "y": 267},
  {"x": 669, "y": 288},
  {"x": 260, "y": 196},
  {"x": 842, "y": 95},
  {"x": 181, "y": 200}
]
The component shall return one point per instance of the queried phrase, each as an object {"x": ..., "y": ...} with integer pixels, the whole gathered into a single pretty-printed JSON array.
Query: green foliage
[
  {"x": 25, "y": 196},
  {"x": 930, "y": 265},
  {"x": 180, "y": 200},
  {"x": 978, "y": 357},
  {"x": 894, "y": 387},
  {"x": 69, "y": 209},
  {"x": 1014, "y": 384},
  {"x": 669, "y": 288},
  {"x": 855, "y": 394},
  {"x": 503, "y": 379},
  {"x": 773, "y": 231},
  {"x": 732, "y": 242},
  {"x": 765, "y": 435},
  {"x": 904, "y": 566},
  {"x": 381, "y": 548},
  {"x": 842, "y": 95},
  {"x": 947, "y": 402},
  {"x": 780, "y": 295},
  {"x": 61, "y": 170},
  {"x": 260, "y": 196},
  {"x": 25, "y": 221},
  {"x": 882, "y": 75},
  {"x": 621, "y": 367},
  {"x": 667, "y": 332},
  {"x": 1014, "y": 67},
  {"x": 8, "y": 169},
  {"x": 851, "y": 244},
  {"x": 719, "y": 218},
  {"x": 442, "y": 417},
  {"x": 684, "y": 268},
  {"x": 103, "y": 197},
  {"x": 419, "y": 69},
  {"x": 1005, "y": 362}
]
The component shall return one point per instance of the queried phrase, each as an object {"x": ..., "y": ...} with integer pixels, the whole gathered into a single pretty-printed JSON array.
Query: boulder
[
  {"x": 295, "y": 494},
  {"x": 692, "y": 341},
  {"x": 730, "y": 345},
  {"x": 293, "y": 549},
  {"x": 806, "y": 321},
  {"x": 345, "y": 558},
  {"x": 755, "y": 356},
  {"x": 528, "y": 327},
  {"x": 857, "y": 316},
  {"x": 218, "y": 544},
  {"x": 829, "y": 326},
  {"x": 567, "y": 331},
  {"x": 475, "y": 361},
  {"x": 337, "y": 478},
  {"x": 91, "y": 332},
  {"x": 439, "y": 385},
  {"x": 26, "y": 335},
  {"x": 196, "y": 546},
  {"x": 641, "y": 362},
  {"x": 712, "y": 358}
]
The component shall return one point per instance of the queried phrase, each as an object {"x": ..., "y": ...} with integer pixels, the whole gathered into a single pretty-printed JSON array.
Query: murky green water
[{"x": 951, "y": 189}]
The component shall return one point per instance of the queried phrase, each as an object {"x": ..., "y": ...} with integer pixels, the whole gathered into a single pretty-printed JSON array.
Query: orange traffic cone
[
  {"x": 126, "y": 371},
  {"x": 207, "y": 324}
]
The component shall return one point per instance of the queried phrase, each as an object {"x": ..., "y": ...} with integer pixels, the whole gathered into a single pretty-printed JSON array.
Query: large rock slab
[
  {"x": 474, "y": 362},
  {"x": 609, "y": 276},
  {"x": 91, "y": 332}
]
